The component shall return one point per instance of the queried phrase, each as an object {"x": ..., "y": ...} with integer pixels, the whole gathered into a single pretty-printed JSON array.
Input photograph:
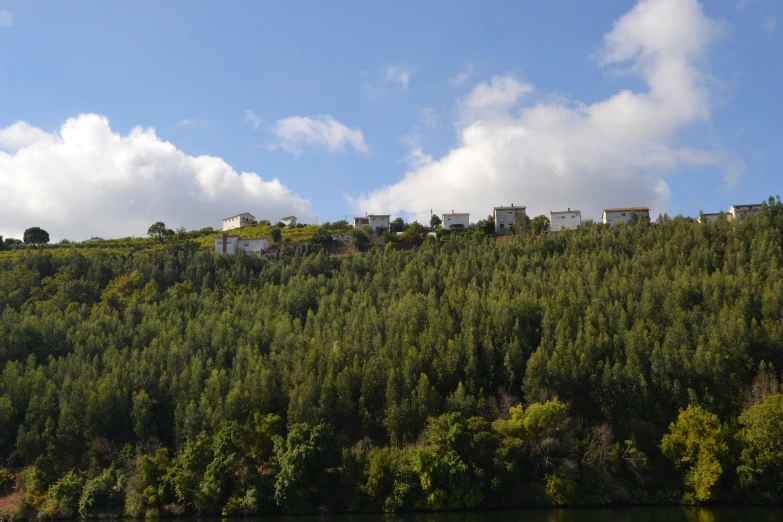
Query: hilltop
[{"x": 596, "y": 366}]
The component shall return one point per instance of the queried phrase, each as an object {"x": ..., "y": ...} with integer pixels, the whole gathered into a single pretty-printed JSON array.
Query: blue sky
[{"x": 389, "y": 108}]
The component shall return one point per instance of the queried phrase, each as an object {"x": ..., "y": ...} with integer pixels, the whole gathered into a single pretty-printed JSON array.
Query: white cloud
[
  {"x": 252, "y": 119},
  {"x": 400, "y": 74},
  {"x": 548, "y": 155},
  {"x": 462, "y": 77},
  {"x": 190, "y": 122},
  {"x": 494, "y": 98},
  {"x": 416, "y": 158},
  {"x": 22, "y": 134},
  {"x": 769, "y": 24},
  {"x": 6, "y": 19},
  {"x": 86, "y": 180},
  {"x": 321, "y": 131}
]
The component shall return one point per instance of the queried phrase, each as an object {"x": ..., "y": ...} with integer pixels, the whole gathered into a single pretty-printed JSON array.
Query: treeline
[{"x": 596, "y": 366}]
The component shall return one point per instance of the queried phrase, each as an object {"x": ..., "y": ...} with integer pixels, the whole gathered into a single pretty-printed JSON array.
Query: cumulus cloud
[
  {"x": 6, "y": 19},
  {"x": 320, "y": 132},
  {"x": 87, "y": 180},
  {"x": 463, "y": 76},
  {"x": 558, "y": 154},
  {"x": 252, "y": 118},
  {"x": 494, "y": 98},
  {"x": 400, "y": 74}
]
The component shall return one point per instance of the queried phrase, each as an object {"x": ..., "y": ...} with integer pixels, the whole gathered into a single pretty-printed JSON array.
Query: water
[{"x": 637, "y": 514}]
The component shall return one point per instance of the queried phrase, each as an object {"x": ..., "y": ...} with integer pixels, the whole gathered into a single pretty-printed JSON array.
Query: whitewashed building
[
  {"x": 232, "y": 243},
  {"x": 565, "y": 219},
  {"x": 244, "y": 219},
  {"x": 456, "y": 220},
  {"x": 373, "y": 221},
  {"x": 713, "y": 216},
  {"x": 289, "y": 221},
  {"x": 738, "y": 212},
  {"x": 506, "y": 217},
  {"x": 612, "y": 216}
]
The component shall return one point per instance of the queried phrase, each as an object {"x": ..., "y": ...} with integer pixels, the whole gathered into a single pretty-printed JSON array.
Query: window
[{"x": 623, "y": 213}]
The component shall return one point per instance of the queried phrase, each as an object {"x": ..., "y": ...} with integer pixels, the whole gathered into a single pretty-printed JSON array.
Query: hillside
[
  {"x": 595, "y": 366},
  {"x": 203, "y": 237}
]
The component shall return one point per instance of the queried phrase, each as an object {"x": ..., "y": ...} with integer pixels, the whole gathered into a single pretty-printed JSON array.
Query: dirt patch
[{"x": 8, "y": 503}]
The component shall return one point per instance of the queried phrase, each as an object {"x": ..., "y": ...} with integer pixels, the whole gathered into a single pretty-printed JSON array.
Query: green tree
[
  {"x": 522, "y": 226},
  {"x": 539, "y": 225},
  {"x": 448, "y": 462},
  {"x": 696, "y": 443},
  {"x": 157, "y": 230},
  {"x": 321, "y": 236},
  {"x": 36, "y": 236},
  {"x": 435, "y": 221},
  {"x": 300, "y": 459},
  {"x": 761, "y": 462},
  {"x": 276, "y": 235},
  {"x": 415, "y": 233},
  {"x": 397, "y": 225},
  {"x": 360, "y": 240}
]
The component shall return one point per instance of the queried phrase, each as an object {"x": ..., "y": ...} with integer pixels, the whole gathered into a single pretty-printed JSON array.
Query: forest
[{"x": 635, "y": 365}]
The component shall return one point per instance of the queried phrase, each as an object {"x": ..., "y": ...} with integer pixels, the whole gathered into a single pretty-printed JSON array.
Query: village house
[
  {"x": 289, "y": 221},
  {"x": 713, "y": 216},
  {"x": 244, "y": 219},
  {"x": 373, "y": 221},
  {"x": 612, "y": 216},
  {"x": 456, "y": 220},
  {"x": 232, "y": 243},
  {"x": 565, "y": 219},
  {"x": 506, "y": 217},
  {"x": 739, "y": 212}
]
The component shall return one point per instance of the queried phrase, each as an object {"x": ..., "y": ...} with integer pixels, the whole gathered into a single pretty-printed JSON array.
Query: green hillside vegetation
[
  {"x": 203, "y": 237},
  {"x": 595, "y": 366}
]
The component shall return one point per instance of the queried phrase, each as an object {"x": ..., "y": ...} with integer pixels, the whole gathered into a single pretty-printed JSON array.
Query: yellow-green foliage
[
  {"x": 290, "y": 235},
  {"x": 697, "y": 444},
  {"x": 761, "y": 468}
]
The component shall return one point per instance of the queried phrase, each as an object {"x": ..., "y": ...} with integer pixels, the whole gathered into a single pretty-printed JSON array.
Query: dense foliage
[{"x": 593, "y": 366}]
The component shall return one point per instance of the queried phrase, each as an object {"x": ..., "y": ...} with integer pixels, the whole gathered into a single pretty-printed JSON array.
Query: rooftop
[
  {"x": 242, "y": 214},
  {"x": 565, "y": 211},
  {"x": 289, "y": 217},
  {"x": 460, "y": 213},
  {"x": 627, "y": 209},
  {"x": 748, "y": 205},
  {"x": 512, "y": 206}
]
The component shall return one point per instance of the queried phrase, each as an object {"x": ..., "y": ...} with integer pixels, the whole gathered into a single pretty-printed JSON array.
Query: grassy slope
[{"x": 290, "y": 235}]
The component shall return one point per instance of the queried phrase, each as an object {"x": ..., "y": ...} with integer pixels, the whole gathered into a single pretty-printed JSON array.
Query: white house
[
  {"x": 244, "y": 219},
  {"x": 505, "y": 217},
  {"x": 456, "y": 220},
  {"x": 565, "y": 219},
  {"x": 373, "y": 221},
  {"x": 289, "y": 221},
  {"x": 612, "y": 216},
  {"x": 713, "y": 216},
  {"x": 738, "y": 212},
  {"x": 232, "y": 243}
]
